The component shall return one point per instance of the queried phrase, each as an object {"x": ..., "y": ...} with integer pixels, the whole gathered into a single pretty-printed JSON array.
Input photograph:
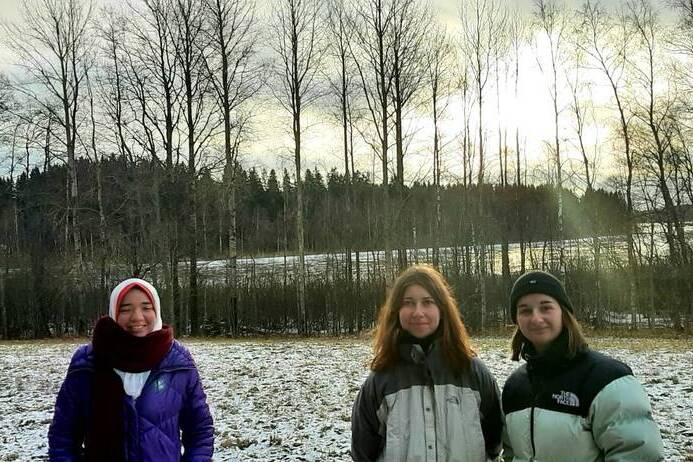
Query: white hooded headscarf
[
  {"x": 124, "y": 287},
  {"x": 133, "y": 382}
]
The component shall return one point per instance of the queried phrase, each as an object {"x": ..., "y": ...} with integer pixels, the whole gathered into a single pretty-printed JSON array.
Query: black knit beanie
[{"x": 538, "y": 282}]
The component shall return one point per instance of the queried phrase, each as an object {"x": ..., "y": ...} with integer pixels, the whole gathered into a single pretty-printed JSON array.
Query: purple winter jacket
[{"x": 172, "y": 401}]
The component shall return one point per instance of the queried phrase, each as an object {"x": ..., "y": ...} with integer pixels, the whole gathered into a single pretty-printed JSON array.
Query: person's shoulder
[
  {"x": 479, "y": 367},
  {"x": 516, "y": 378},
  {"x": 82, "y": 358},
  {"x": 178, "y": 356},
  {"x": 182, "y": 353},
  {"x": 519, "y": 371},
  {"x": 377, "y": 385},
  {"x": 482, "y": 379},
  {"x": 596, "y": 370},
  {"x": 604, "y": 365},
  {"x": 387, "y": 381},
  {"x": 381, "y": 376}
]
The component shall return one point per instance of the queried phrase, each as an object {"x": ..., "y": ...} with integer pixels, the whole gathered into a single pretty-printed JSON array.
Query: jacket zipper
[
  {"x": 133, "y": 403},
  {"x": 531, "y": 432},
  {"x": 536, "y": 391},
  {"x": 431, "y": 389}
]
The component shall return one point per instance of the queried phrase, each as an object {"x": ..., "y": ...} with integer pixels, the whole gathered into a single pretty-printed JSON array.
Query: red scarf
[{"x": 115, "y": 348}]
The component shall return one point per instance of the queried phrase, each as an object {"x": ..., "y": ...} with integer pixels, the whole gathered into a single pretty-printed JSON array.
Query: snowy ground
[{"x": 291, "y": 400}]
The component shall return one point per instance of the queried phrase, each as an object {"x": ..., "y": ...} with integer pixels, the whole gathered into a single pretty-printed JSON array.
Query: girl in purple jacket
[{"x": 134, "y": 393}]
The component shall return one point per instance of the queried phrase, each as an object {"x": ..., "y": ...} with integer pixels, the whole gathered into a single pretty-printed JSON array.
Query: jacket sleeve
[
  {"x": 489, "y": 409},
  {"x": 622, "y": 423},
  {"x": 196, "y": 423},
  {"x": 68, "y": 429},
  {"x": 366, "y": 440}
]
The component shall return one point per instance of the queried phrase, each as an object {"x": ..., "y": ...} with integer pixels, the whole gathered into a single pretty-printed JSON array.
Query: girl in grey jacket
[
  {"x": 428, "y": 397},
  {"x": 569, "y": 403}
]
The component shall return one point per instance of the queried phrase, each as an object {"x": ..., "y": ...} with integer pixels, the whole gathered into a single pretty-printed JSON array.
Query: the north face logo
[
  {"x": 566, "y": 398},
  {"x": 160, "y": 384}
]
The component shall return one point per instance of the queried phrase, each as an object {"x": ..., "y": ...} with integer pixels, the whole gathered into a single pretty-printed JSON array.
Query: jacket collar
[
  {"x": 553, "y": 359},
  {"x": 415, "y": 353}
]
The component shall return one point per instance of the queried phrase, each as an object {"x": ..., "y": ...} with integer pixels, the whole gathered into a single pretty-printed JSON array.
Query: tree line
[
  {"x": 124, "y": 137},
  {"x": 33, "y": 212}
]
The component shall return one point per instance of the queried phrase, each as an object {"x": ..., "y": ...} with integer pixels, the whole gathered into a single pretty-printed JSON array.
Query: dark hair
[
  {"x": 454, "y": 341},
  {"x": 576, "y": 339}
]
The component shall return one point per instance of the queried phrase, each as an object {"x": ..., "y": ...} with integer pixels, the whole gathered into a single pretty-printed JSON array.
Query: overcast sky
[{"x": 271, "y": 146}]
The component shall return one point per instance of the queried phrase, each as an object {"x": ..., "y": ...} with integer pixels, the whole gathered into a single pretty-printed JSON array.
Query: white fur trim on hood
[{"x": 129, "y": 284}]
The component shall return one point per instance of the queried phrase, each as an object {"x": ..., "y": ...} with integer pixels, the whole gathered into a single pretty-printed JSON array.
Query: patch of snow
[{"x": 291, "y": 400}]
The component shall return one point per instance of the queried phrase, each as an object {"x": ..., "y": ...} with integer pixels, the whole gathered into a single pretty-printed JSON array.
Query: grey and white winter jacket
[
  {"x": 586, "y": 409},
  {"x": 421, "y": 410}
]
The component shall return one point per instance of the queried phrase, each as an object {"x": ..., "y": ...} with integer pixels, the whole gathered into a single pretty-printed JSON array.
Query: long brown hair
[
  {"x": 576, "y": 339},
  {"x": 454, "y": 339}
]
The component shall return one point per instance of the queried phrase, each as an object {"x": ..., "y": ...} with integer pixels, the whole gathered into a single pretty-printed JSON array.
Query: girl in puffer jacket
[
  {"x": 428, "y": 396},
  {"x": 568, "y": 402},
  {"x": 134, "y": 393}
]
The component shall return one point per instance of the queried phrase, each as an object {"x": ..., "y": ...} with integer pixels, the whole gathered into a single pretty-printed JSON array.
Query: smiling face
[
  {"x": 540, "y": 319},
  {"x": 419, "y": 315},
  {"x": 136, "y": 313}
]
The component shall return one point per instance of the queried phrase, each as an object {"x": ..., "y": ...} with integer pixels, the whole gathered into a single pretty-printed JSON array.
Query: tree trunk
[
  {"x": 193, "y": 305},
  {"x": 232, "y": 262},
  {"x": 301, "y": 307},
  {"x": 3, "y": 304}
]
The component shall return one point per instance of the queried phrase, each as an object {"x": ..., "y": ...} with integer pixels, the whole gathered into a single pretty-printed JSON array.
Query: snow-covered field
[{"x": 286, "y": 400}]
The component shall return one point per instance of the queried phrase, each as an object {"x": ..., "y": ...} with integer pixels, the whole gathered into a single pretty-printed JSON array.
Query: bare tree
[
  {"x": 342, "y": 82},
  {"x": 123, "y": 110},
  {"x": 580, "y": 90},
  {"x": 682, "y": 42},
  {"x": 372, "y": 50},
  {"x": 54, "y": 45},
  {"x": 409, "y": 35},
  {"x": 464, "y": 87},
  {"x": 656, "y": 113},
  {"x": 299, "y": 51},
  {"x": 14, "y": 162},
  {"x": 153, "y": 91},
  {"x": 501, "y": 66},
  {"x": 92, "y": 148},
  {"x": 119, "y": 131},
  {"x": 580, "y": 96},
  {"x": 112, "y": 85},
  {"x": 518, "y": 29},
  {"x": 6, "y": 96},
  {"x": 236, "y": 79},
  {"x": 483, "y": 23},
  {"x": 342, "y": 86},
  {"x": 554, "y": 24},
  {"x": 7, "y": 102},
  {"x": 606, "y": 41},
  {"x": 200, "y": 121},
  {"x": 12, "y": 125},
  {"x": 438, "y": 62},
  {"x": 685, "y": 9},
  {"x": 152, "y": 77}
]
